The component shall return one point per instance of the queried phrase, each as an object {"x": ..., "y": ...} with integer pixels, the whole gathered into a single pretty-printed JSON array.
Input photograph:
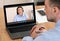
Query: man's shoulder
[
  {"x": 43, "y": 36},
  {"x": 49, "y": 35}
]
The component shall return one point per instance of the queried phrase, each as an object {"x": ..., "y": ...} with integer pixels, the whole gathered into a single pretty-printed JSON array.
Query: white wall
[
  {"x": 11, "y": 2},
  {"x": 1, "y": 3},
  {"x": 23, "y": 1},
  {"x": 6, "y": 2},
  {"x": 38, "y": 0}
]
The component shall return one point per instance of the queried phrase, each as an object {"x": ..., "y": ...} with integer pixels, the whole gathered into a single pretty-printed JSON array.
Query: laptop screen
[{"x": 19, "y": 14}]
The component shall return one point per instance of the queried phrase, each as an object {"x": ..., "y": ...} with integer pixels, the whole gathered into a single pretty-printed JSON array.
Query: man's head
[
  {"x": 20, "y": 10},
  {"x": 52, "y": 8}
]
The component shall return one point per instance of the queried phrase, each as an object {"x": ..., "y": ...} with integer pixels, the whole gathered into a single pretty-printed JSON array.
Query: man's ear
[{"x": 56, "y": 10}]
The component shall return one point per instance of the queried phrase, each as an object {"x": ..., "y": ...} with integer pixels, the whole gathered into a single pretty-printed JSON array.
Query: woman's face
[{"x": 20, "y": 11}]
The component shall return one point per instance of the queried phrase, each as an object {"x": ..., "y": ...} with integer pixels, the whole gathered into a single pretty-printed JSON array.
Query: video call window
[{"x": 19, "y": 13}]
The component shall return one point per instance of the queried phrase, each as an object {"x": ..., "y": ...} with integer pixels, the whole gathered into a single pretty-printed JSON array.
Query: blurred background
[{"x": 6, "y": 2}]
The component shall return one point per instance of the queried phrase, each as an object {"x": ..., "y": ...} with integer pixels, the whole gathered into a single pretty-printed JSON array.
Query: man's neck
[{"x": 57, "y": 17}]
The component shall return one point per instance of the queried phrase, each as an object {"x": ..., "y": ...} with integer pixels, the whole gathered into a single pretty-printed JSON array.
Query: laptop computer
[{"x": 19, "y": 19}]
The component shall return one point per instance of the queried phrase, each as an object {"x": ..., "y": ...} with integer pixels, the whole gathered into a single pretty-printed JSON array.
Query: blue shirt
[
  {"x": 51, "y": 35},
  {"x": 20, "y": 18}
]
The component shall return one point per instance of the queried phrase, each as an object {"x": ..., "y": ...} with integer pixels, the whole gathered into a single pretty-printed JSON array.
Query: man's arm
[
  {"x": 37, "y": 29},
  {"x": 42, "y": 36},
  {"x": 39, "y": 38}
]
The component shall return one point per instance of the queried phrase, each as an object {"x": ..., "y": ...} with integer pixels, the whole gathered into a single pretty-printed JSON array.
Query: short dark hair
[
  {"x": 55, "y": 3},
  {"x": 19, "y": 7}
]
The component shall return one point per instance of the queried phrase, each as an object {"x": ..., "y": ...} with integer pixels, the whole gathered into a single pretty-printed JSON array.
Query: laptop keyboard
[
  {"x": 20, "y": 34},
  {"x": 23, "y": 28},
  {"x": 20, "y": 31}
]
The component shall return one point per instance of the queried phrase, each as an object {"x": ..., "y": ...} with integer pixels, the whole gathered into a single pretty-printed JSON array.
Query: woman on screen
[{"x": 20, "y": 15}]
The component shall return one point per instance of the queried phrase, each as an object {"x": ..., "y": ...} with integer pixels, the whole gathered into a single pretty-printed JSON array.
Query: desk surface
[{"x": 3, "y": 33}]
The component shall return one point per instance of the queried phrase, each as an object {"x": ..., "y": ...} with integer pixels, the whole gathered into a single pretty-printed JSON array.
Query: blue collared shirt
[
  {"x": 51, "y": 35},
  {"x": 20, "y": 18}
]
